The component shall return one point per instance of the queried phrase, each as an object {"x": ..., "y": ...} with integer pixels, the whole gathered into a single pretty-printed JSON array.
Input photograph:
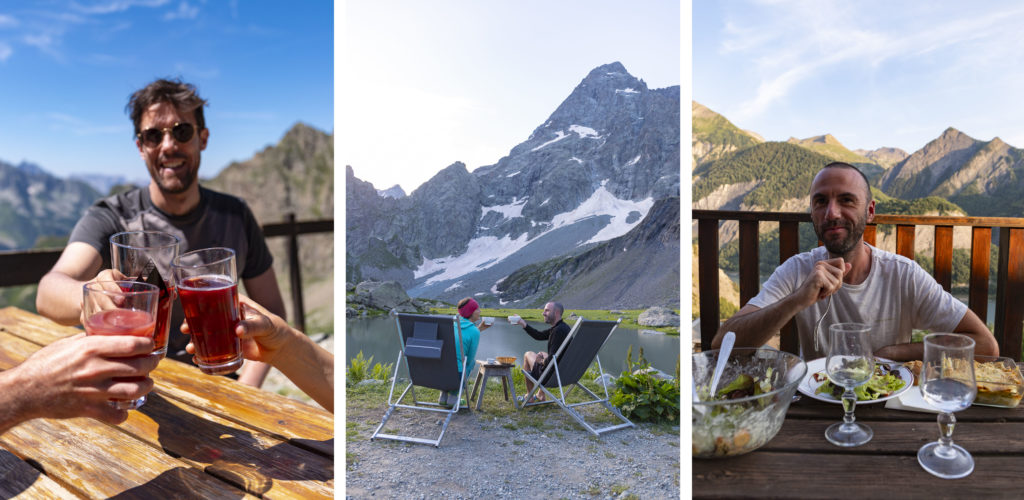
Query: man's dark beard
[
  {"x": 843, "y": 247},
  {"x": 185, "y": 185}
]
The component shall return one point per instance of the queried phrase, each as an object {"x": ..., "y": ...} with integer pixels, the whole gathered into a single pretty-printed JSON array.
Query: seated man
[
  {"x": 889, "y": 292},
  {"x": 75, "y": 377},
  {"x": 171, "y": 133},
  {"x": 534, "y": 362}
]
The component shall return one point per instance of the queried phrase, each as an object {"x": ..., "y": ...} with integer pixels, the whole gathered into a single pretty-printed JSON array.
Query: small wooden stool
[{"x": 496, "y": 370}]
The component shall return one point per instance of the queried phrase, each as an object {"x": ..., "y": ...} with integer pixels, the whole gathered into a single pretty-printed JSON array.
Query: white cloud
[
  {"x": 185, "y": 11},
  {"x": 5, "y": 51},
  {"x": 112, "y": 6},
  {"x": 82, "y": 127},
  {"x": 7, "y": 21}
]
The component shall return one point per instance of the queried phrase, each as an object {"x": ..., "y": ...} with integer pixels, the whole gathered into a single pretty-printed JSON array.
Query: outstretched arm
[
  {"x": 970, "y": 325},
  {"x": 60, "y": 291},
  {"x": 267, "y": 338},
  {"x": 75, "y": 377}
]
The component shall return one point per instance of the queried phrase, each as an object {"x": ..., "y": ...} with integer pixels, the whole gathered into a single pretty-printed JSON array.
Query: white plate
[{"x": 808, "y": 386}]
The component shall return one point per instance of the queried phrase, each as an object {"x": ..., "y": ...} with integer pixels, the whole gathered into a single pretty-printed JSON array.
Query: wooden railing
[
  {"x": 1009, "y": 297},
  {"x": 27, "y": 267}
]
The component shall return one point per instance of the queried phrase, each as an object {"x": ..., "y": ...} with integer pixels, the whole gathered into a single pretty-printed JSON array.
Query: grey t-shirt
[{"x": 220, "y": 220}]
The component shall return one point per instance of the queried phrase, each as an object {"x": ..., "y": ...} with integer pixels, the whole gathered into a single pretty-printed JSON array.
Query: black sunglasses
[{"x": 181, "y": 132}]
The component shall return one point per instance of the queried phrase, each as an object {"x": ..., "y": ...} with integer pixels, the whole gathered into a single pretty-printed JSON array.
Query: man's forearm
[
  {"x": 12, "y": 404},
  {"x": 310, "y": 368},
  {"x": 60, "y": 298},
  {"x": 757, "y": 326}
]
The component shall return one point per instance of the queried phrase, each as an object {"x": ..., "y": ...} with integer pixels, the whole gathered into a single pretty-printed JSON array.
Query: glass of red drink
[
  {"x": 120, "y": 308},
  {"x": 135, "y": 254},
  {"x": 208, "y": 288}
]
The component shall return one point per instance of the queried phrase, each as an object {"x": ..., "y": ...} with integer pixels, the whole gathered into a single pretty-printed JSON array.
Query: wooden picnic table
[
  {"x": 197, "y": 436},
  {"x": 800, "y": 463}
]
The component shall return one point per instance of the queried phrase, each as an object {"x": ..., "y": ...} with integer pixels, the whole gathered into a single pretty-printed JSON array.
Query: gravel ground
[{"x": 539, "y": 452}]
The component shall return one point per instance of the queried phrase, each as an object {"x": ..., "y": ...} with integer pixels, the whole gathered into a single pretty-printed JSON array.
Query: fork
[{"x": 817, "y": 326}]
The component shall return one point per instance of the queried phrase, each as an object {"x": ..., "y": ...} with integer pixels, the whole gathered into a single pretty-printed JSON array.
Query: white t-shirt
[{"x": 897, "y": 297}]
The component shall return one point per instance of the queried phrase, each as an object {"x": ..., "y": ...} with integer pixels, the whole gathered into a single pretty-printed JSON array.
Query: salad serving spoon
[{"x": 723, "y": 357}]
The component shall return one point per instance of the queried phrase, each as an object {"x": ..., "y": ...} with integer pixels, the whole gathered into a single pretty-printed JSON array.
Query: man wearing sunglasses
[{"x": 170, "y": 133}]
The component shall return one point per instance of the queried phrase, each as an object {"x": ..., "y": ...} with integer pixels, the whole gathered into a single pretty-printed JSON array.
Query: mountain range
[
  {"x": 592, "y": 172},
  {"x": 35, "y": 205},
  {"x": 734, "y": 170}
]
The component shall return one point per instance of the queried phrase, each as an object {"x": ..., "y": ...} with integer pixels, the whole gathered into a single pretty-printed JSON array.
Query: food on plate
[
  {"x": 915, "y": 368},
  {"x": 884, "y": 382},
  {"x": 999, "y": 384}
]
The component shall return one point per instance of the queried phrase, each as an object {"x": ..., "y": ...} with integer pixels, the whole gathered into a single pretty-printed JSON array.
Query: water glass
[
  {"x": 948, "y": 384},
  {"x": 120, "y": 308},
  {"x": 207, "y": 284},
  {"x": 850, "y": 363}
]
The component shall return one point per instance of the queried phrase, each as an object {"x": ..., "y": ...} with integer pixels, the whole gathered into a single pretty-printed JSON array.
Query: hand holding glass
[
  {"x": 120, "y": 308},
  {"x": 947, "y": 383},
  {"x": 132, "y": 253},
  {"x": 208, "y": 288},
  {"x": 850, "y": 363}
]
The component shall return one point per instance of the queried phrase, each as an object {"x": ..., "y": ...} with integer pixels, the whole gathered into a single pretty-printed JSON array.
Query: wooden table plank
[
  {"x": 198, "y": 434},
  {"x": 33, "y": 327},
  {"x": 19, "y": 478},
  {"x": 895, "y": 438},
  {"x": 260, "y": 464},
  {"x": 288, "y": 419},
  {"x": 848, "y": 475},
  {"x": 810, "y": 408},
  {"x": 96, "y": 460}
]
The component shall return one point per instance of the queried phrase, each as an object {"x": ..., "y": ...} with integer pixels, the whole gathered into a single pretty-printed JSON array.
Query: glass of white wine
[
  {"x": 947, "y": 383},
  {"x": 850, "y": 363}
]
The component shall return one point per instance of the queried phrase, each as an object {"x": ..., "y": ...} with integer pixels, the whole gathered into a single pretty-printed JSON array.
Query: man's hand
[
  {"x": 104, "y": 275},
  {"x": 824, "y": 280},
  {"x": 76, "y": 376},
  {"x": 263, "y": 335}
]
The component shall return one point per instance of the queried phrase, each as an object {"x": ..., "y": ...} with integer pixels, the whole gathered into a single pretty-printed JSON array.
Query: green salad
[{"x": 884, "y": 382}]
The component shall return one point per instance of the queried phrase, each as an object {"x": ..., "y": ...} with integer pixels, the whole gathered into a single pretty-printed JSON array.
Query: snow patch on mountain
[
  {"x": 584, "y": 132},
  {"x": 510, "y": 211},
  {"x": 559, "y": 136},
  {"x": 629, "y": 90},
  {"x": 486, "y": 251},
  {"x": 634, "y": 161}
]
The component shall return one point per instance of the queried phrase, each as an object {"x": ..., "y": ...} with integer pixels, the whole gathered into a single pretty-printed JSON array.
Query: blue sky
[
  {"x": 67, "y": 68},
  {"x": 872, "y": 73},
  {"x": 431, "y": 83}
]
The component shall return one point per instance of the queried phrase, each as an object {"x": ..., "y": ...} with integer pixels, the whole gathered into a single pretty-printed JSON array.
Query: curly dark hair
[{"x": 182, "y": 95}]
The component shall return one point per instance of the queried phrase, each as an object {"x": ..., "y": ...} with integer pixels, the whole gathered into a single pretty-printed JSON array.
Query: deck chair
[
  {"x": 567, "y": 367},
  {"x": 428, "y": 350}
]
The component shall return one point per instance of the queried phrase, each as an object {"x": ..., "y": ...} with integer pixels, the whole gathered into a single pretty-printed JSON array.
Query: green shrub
[
  {"x": 642, "y": 396},
  {"x": 358, "y": 369},
  {"x": 381, "y": 372}
]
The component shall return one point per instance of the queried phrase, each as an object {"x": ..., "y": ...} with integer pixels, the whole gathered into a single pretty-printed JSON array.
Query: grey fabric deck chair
[
  {"x": 429, "y": 354},
  {"x": 565, "y": 370}
]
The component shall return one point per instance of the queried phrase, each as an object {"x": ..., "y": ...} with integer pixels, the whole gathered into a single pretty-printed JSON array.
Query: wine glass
[
  {"x": 947, "y": 383},
  {"x": 850, "y": 363}
]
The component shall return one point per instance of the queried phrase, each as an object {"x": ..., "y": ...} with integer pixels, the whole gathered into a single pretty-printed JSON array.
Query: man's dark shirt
[{"x": 554, "y": 335}]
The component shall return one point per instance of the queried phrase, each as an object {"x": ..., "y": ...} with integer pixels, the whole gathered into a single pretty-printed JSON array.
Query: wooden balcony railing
[
  {"x": 1009, "y": 297},
  {"x": 27, "y": 267}
]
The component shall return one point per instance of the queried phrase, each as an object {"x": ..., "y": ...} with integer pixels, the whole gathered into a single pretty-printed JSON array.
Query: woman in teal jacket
[{"x": 471, "y": 326}]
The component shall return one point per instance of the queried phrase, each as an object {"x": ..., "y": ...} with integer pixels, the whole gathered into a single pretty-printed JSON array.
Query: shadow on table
[
  {"x": 232, "y": 453},
  {"x": 180, "y": 482},
  {"x": 16, "y": 476}
]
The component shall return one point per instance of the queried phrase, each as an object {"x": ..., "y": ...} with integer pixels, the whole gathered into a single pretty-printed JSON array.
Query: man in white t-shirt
[{"x": 889, "y": 292}]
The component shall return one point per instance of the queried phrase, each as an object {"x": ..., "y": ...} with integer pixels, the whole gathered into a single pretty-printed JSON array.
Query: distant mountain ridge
[
  {"x": 591, "y": 172},
  {"x": 35, "y": 204}
]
